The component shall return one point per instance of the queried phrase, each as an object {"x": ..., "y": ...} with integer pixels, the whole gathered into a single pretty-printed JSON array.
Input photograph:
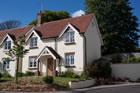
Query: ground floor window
[
  {"x": 69, "y": 59},
  {"x": 32, "y": 62},
  {"x": 6, "y": 65}
]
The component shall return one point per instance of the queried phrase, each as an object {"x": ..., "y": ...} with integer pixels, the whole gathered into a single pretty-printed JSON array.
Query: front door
[{"x": 50, "y": 65}]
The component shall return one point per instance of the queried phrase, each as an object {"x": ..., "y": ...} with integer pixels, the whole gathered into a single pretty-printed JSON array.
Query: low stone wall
[
  {"x": 131, "y": 71},
  {"x": 81, "y": 83}
]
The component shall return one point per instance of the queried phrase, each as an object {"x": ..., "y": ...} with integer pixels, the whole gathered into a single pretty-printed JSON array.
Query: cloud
[{"x": 78, "y": 13}]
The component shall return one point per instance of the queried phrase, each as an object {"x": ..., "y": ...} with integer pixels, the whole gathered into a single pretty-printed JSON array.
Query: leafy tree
[
  {"x": 17, "y": 51},
  {"x": 9, "y": 24},
  {"x": 117, "y": 24},
  {"x": 52, "y": 16}
]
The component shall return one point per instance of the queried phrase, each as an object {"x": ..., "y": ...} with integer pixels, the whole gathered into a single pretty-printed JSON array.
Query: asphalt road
[{"x": 128, "y": 89}]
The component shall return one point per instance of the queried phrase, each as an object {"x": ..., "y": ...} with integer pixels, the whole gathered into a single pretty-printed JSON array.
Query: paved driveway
[{"x": 128, "y": 89}]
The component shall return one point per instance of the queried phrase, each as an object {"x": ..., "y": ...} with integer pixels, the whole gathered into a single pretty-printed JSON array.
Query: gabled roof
[
  {"x": 14, "y": 33},
  {"x": 51, "y": 29},
  {"x": 51, "y": 52},
  {"x": 54, "y": 28}
]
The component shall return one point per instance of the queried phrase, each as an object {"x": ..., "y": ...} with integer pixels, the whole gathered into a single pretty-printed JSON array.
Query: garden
[{"x": 29, "y": 82}]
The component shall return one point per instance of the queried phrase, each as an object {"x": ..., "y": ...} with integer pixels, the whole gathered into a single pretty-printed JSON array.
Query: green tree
[
  {"x": 117, "y": 24},
  {"x": 9, "y": 24},
  {"x": 17, "y": 51},
  {"x": 52, "y": 16}
]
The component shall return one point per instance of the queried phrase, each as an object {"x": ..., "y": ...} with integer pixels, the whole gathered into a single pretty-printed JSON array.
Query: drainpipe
[
  {"x": 59, "y": 65},
  {"x": 85, "y": 52}
]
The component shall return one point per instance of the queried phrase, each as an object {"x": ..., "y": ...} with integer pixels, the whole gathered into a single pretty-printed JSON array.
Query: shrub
[
  {"x": 6, "y": 75},
  {"x": 69, "y": 74},
  {"x": 20, "y": 74},
  {"x": 0, "y": 75},
  {"x": 29, "y": 73},
  {"x": 100, "y": 69},
  {"x": 48, "y": 79}
]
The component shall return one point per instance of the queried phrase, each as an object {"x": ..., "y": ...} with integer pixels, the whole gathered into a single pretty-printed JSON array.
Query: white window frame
[
  {"x": 32, "y": 62},
  {"x": 69, "y": 59},
  {"x": 7, "y": 45},
  {"x": 33, "y": 42},
  {"x": 69, "y": 36}
]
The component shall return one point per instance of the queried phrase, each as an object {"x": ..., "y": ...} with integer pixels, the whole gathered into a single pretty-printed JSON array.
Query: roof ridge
[
  {"x": 16, "y": 28},
  {"x": 66, "y": 19}
]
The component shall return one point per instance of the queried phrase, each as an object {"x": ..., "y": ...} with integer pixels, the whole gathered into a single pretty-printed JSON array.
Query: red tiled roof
[
  {"x": 16, "y": 33},
  {"x": 52, "y": 29}
]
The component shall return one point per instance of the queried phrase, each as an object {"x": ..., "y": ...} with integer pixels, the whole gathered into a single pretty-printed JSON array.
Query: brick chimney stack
[{"x": 40, "y": 17}]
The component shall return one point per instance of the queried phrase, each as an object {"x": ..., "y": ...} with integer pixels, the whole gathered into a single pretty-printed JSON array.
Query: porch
[{"x": 48, "y": 62}]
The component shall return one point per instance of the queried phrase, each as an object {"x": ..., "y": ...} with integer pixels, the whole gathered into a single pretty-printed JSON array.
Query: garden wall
[
  {"x": 82, "y": 83},
  {"x": 131, "y": 71}
]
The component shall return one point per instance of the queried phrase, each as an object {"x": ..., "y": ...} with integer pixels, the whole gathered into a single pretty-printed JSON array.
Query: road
[{"x": 128, "y": 89}]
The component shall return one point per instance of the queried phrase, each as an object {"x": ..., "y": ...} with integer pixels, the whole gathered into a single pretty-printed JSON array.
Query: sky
[{"x": 26, "y": 10}]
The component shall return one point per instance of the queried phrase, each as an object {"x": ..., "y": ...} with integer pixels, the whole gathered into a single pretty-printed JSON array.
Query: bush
[
  {"x": 0, "y": 75},
  {"x": 20, "y": 74},
  {"x": 134, "y": 60},
  {"x": 48, "y": 79},
  {"x": 69, "y": 74},
  {"x": 100, "y": 69},
  {"x": 29, "y": 73},
  {"x": 6, "y": 75}
]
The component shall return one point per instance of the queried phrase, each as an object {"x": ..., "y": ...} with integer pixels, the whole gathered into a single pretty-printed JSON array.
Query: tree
[
  {"x": 52, "y": 16},
  {"x": 17, "y": 51},
  {"x": 118, "y": 25},
  {"x": 9, "y": 24}
]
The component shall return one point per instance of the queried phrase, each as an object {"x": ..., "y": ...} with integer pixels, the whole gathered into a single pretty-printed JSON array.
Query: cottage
[{"x": 67, "y": 44}]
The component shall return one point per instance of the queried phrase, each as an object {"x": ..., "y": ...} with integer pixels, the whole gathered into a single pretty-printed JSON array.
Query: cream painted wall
[
  {"x": 36, "y": 52},
  {"x": 11, "y": 70},
  {"x": 93, "y": 41},
  {"x": 62, "y": 48}
]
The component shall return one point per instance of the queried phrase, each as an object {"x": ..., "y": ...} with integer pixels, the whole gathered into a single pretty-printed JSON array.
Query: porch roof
[{"x": 50, "y": 51}]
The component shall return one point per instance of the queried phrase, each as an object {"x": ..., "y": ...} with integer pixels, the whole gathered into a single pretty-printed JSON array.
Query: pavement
[{"x": 119, "y": 88}]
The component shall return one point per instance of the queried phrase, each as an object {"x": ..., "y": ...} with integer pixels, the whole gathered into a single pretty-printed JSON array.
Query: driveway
[{"x": 127, "y": 89}]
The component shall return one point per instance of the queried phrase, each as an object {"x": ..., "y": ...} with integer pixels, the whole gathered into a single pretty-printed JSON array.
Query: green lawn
[{"x": 63, "y": 81}]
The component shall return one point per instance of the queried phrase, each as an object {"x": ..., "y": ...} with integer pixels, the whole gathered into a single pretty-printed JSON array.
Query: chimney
[{"x": 40, "y": 16}]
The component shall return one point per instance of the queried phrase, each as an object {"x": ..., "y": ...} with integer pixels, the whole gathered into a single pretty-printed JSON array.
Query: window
[
  {"x": 69, "y": 59},
  {"x": 69, "y": 37},
  {"x": 33, "y": 42},
  {"x": 7, "y": 45},
  {"x": 6, "y": 65},
  {"x": 32, "y": 62}
]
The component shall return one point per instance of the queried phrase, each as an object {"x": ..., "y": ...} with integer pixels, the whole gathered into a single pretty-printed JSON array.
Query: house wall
[
  {"x": 93, "y": 41},
  {"x": 3, "y": 52},
  {"x": 36, "y": 51},
  {"x": 62, "y": 48}
]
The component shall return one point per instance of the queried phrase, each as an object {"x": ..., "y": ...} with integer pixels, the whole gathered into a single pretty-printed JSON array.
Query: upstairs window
[
  {"x": 7, "y": 45},
  {"x": 69, "y": 36},
  {"x": 33, "y": 42},
  {"x": 32, "y": 62},
  {"x": 69, "y": 59}
]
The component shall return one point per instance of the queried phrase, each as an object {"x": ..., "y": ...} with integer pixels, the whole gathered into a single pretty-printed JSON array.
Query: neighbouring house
[{"x": 63, "y": 45}]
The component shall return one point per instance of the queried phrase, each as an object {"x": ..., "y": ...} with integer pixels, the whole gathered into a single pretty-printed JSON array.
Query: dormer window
[
  {"x": 7, "y": 45},
  {"x": 69, "y": 36},
  {"x": 33, "y": 42}
]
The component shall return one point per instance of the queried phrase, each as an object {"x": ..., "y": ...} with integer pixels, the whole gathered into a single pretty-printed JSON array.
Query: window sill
[
  {"x": 33, "y": 47},
  {"x": 32, "y": 68},
  {"x": 71, "y": 43},
  {"x": 6, "y": 50}
]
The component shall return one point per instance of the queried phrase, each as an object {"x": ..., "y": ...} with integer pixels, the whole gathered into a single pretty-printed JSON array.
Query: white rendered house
[{"x": 62, "y": 45}]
